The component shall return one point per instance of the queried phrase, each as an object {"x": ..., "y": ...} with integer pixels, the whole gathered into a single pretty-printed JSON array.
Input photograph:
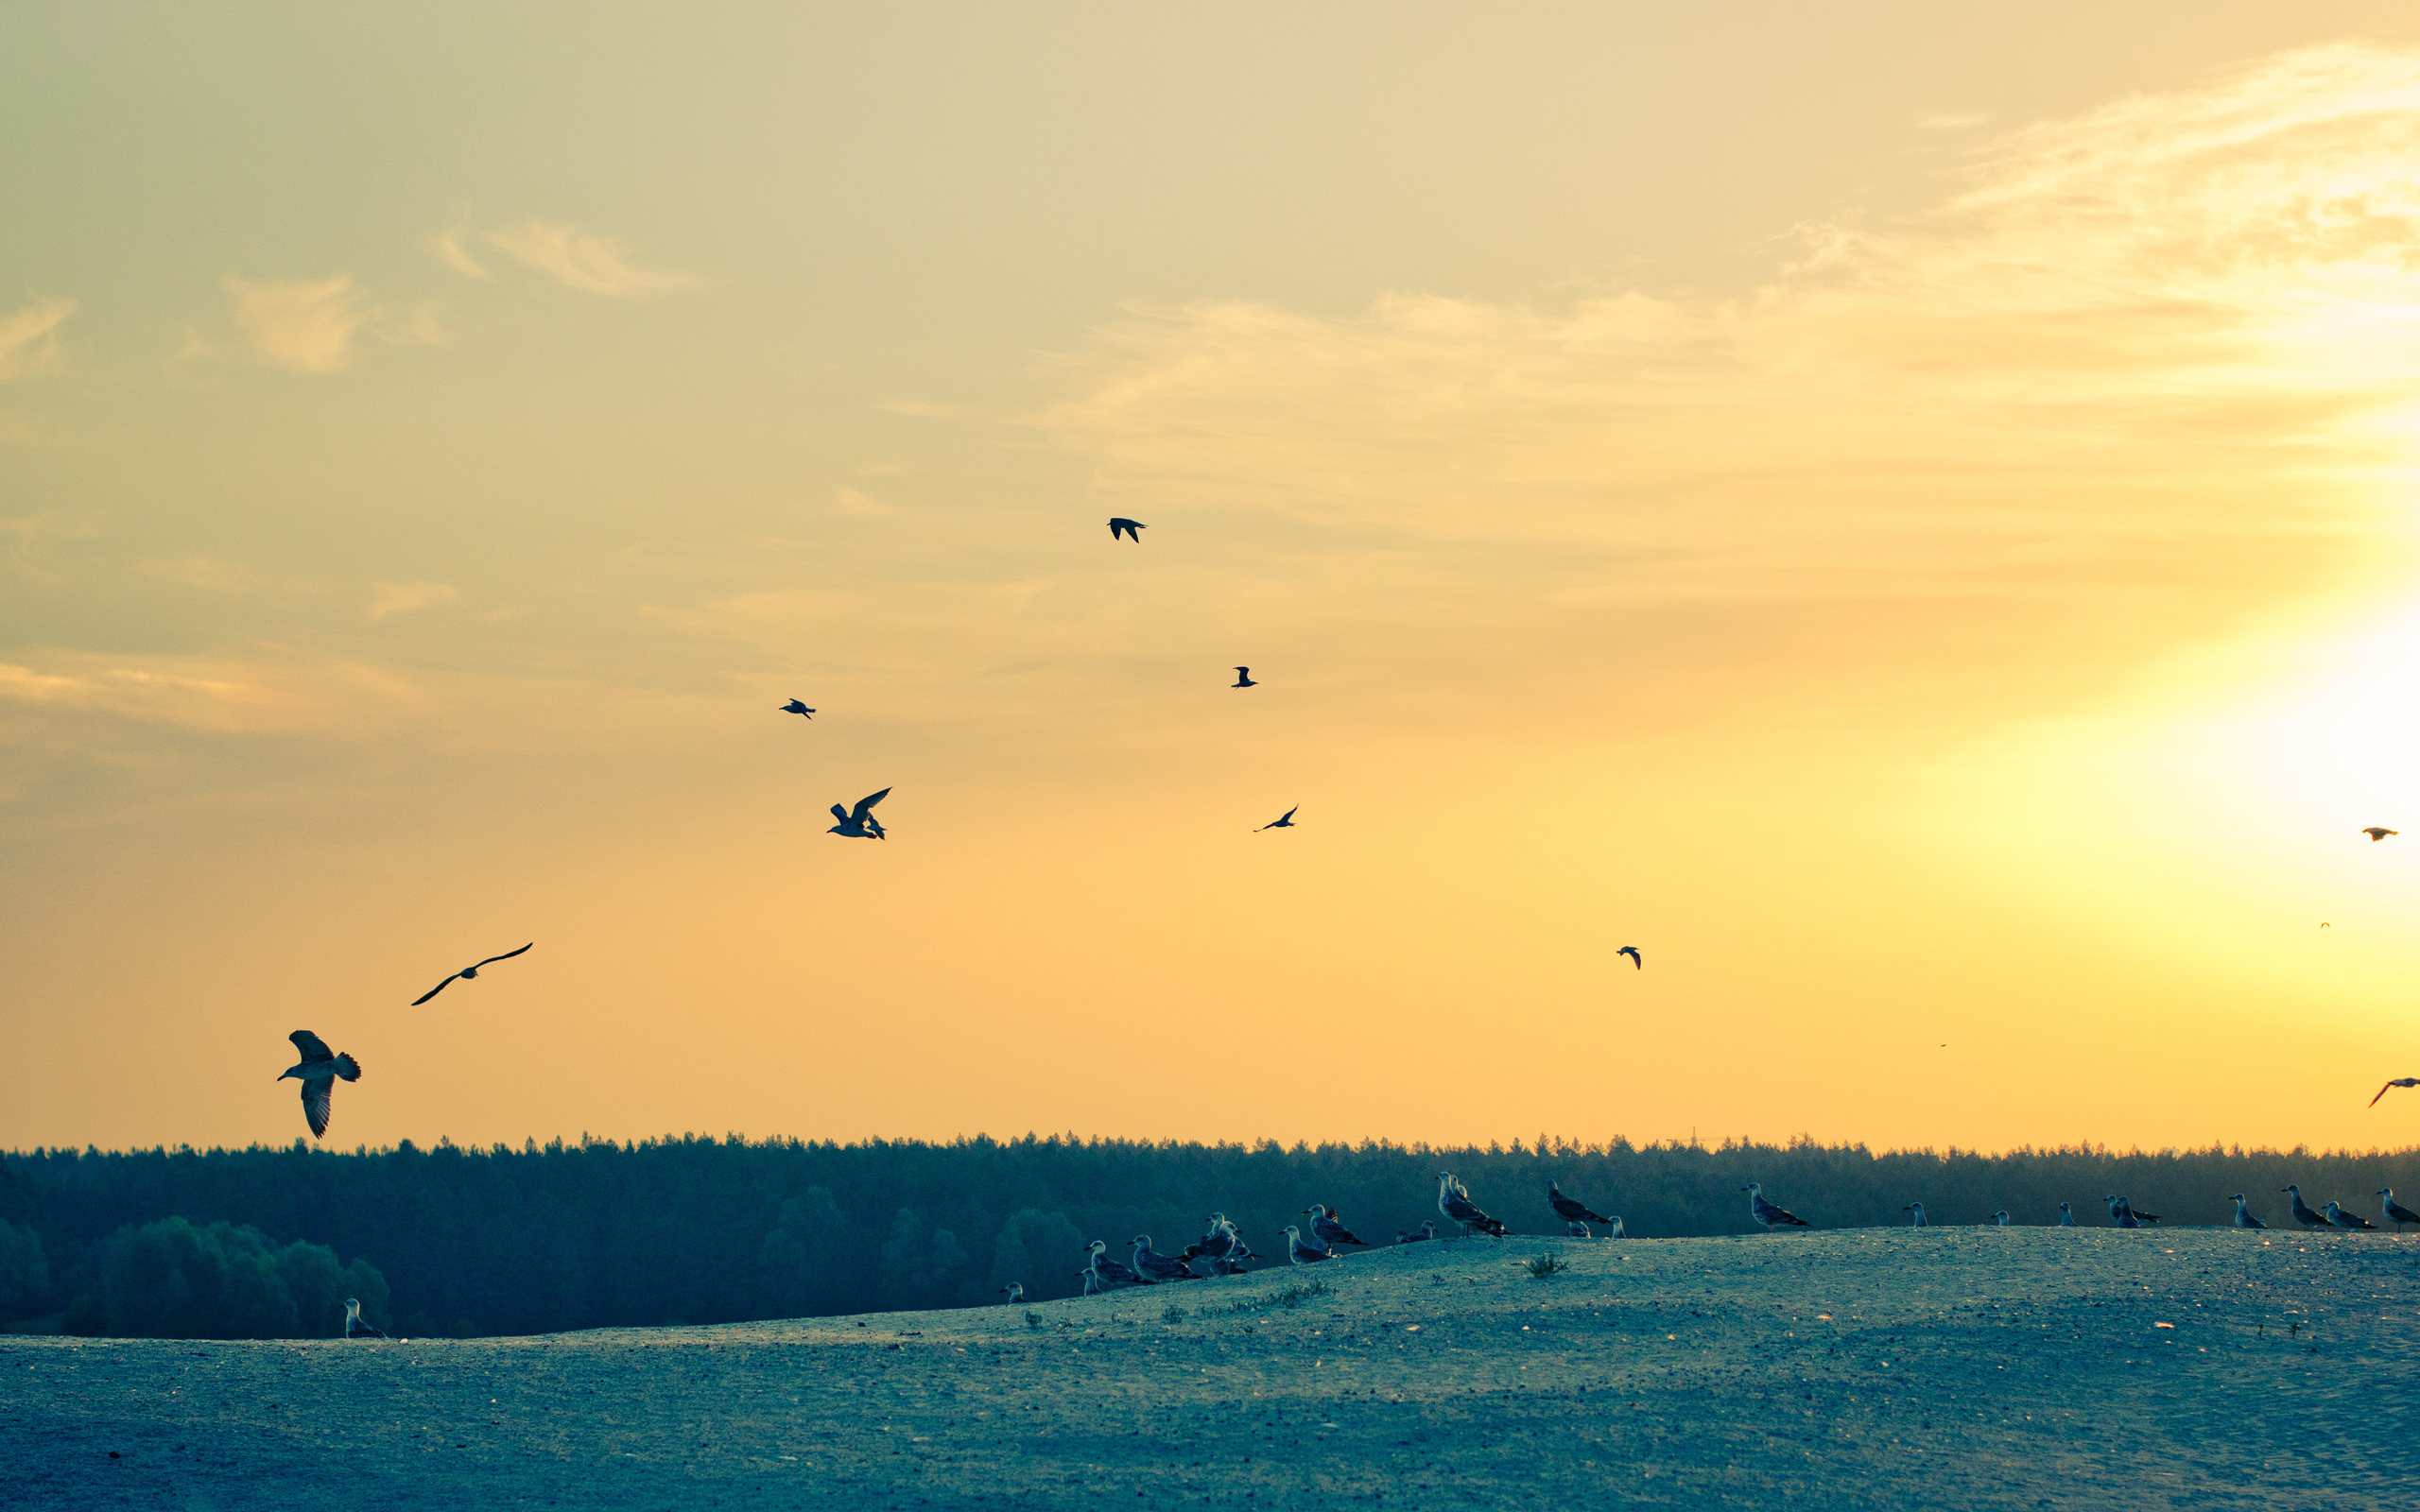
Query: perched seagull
[
  {"x": 1243, "y": 679},
  {"x": 1617, "y": 1231},
  {"x": 467, "y": 973},
  {"x": 1327, "y": 1231},
  {"x": 1456, "y": 1204},
  {"x": 2122, "y": 1210},
  {"x": 1413, "y": 1236},
  {"x": 355, "y": 1325},
  {"x": 2244, "y": 1218},
  {"x": 2379, "y": 832},
  {"x": 1015, "y": 1292},
  {"x": 1769, "y": 1213},
  {"x": 1284, "y": 821},
  {"x": 1120, "y": 525},
  {"x": 794, "y": 707},
  {"x": 318, "y": 1071},
  {"x": 1301, "y": 1253},
  {"x": 2000, "y": 1217},
  {"x": 1637, "y": 962},
  {"x": 2302, "y": 1210},
  {"x": 1148, "y": 1261},
  {"x": 1108, "y": 1273},
  {"x": 1576, "y": 1229},
  {"x": 1568, "y": 1210},
  {"x": 859, "y": 823},
  {"x": 2338, "y": 1218},
  {"x": 2066, "y": 1216},
  {"x": 2396, "y": 1213},
  {"x": 1918, "y": 1221},
  {"x": 1215, "y": 1246},
  {"x": 1092, "y": 1282},
  {"x": 2399, "y": 1081}
]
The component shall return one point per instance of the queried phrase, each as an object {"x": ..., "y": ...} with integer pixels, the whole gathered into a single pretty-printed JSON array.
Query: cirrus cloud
[
  {"x": 577, "y": 258},
  {"x": 30, "y": 338}
]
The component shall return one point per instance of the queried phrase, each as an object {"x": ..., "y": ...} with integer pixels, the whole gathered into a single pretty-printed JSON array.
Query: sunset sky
[{"x": 1906, "y": 518}]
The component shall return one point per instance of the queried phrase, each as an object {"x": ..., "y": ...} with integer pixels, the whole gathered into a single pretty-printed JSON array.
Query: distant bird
[
  {"x": 1456, "y": 1204},
  {"x": 1918, "y": 1221},
  {"x": 1092, "y": 1282},
  {"x": 2302, "y": 1210},
  {"x": 355, "y": 1325},
  {"x": 318, "y": 1071},
  {"x": 2121, "y": 1212},
  {"x": 1413, "y": 1236},
  {"x": 1327, "y": 1231},
  {"x": 859, "y": 823},
  {"x": 2379, "y": 832},
  {"x": 1568, "y": 1210},
  {"x": 1637, "y": 962},
  {"x": 1284, "y": 821},
  {"x": 2066, "y": 1216},
  {"x": 1222, "y": 1247},
  {"x": 2000, "y": 1217},
  {"x": 1243, "y": 679},
  {"x": 2399, "y": 1081},
  {"x": 1770, "y": 1214},
  {"x": 2244, "y": 1218},
  {"x": 1107, "y": 1273},
  {"x": 1301, "y": 1253},
  {"x": 1120, "y": 525},
  {"x": 1015, "y": 1292},
  {"x": 1577, "y": 1230},
  {"x": 467, "y": 973},
  {"x": 794, "y": 707},
  {"x": 1148, "y": 1261},
  {"x": 2396, "y": 1213},
  {"x": 2338, "y": 1217}
]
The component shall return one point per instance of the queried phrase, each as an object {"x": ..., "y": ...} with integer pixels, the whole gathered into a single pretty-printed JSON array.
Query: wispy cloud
[
  {"x": 401, "y": 599},
  {"x": 581, "y": 260},
  {"x": 451, "y": 253},
  {"x": 305, "y": 325},
  {"x": 206, "y": 573},
  {"x": 29, "y": 336}
]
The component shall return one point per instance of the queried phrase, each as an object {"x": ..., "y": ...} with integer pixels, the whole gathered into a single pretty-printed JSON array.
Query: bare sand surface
[{"x": 1940, "y": 1367}]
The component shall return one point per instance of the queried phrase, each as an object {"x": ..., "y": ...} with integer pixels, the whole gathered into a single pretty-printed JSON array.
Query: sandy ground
[{"x": 2025, "y": 1368}]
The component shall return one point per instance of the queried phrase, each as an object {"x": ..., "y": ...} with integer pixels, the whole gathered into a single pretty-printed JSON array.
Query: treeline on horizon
[{"x": 696, "y": 1229}]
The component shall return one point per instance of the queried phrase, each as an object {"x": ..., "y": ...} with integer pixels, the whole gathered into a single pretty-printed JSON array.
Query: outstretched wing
[
  {"x": 315, "y": 1104},
  {"x": 506, "y": 956},
  {"x": 433, "y": 991},
  {"x": 2382, "y": 1092},
  {"x": 312, "y": 1047},
  {"x": 865, "y": 805},
  {"x": 1636, "y": 961}
]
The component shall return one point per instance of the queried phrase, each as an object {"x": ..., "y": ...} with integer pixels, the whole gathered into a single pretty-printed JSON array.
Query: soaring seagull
[
  {"x": 2244, "y": 1218},
  {"x": 467, "y": 973},
  {"x": 1769, "y": 1213},
  {"x": 1568, "y": 1210},
  {"x": 2379, "y": 832},
  {"x": 859, "y": 823},
  {"x": 2399, "y": 1081},
  {"x": 318, "y": 1071},
  {"x": 1284, "y": 821},
  {"x": 1456, "y": 1204},
  {"x": 1120, "y": 525},
  {"x": 1637, "y": 962},
  {"x": 1243, "y": 679},
  {"x": 355, "y": 1325},
  {"x": 1327, "y": 1231},
  {"x": 1302, "y": 1253},
  {"x": 2338, "y": 1218},
  {"x": 794, "y": 707},
  {"x": 2396, "y": 1213},
  {"x": 2302, "y": 1210}
]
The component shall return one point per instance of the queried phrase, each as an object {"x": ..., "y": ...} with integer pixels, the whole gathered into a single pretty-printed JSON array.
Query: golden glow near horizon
[{"x": 1910, "y": 529}]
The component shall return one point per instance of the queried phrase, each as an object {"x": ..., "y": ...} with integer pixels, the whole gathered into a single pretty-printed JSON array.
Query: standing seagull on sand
[
  {"x": 2338, "y": 1218},
  {"x": 1301, "y": 1253},
  {"x": 1107, "y": 1273},
  {"x": 2121, "y": 1210},
  {"x": 2066, "y": 1216},
  {"x": 1412, "y": 1236},
  {"x": 2244, "y": 1218},
  {"x": 1120, "y": 525},
  {"x": 2302, "y": 1210},
  {"x": 2396, "y": 1213},
  {"x": 2399, "y": 1081},
  {"x": 1150, "y": 1262},
  {"x": 2379, "y": 832},
  {"x": 794, "y": 707},
  {"x": 859, "y": 823},
  {"x": 1327, "y": 1231},
  {"x": 318, "y": 1071},
  {"x": 1015, "y": 1292},
  {"x": 1918, "y": 1221},
  {"x": 355, "y": 1325},
  {"x": 2000, "y": 1217},
  {"x": 1767, "y": 1213},
  {"x": 1568, "y": 1210},
  {"x": 1637, "y": 962},
  {"x": 1456, "y": 1205},
  {"x": 1284, "y": 821},
  {"x": 1243, "y": 679},
  {"x": 467, "y": 973}
]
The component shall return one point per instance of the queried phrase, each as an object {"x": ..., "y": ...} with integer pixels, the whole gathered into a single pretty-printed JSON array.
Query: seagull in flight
[
  {"x": 859, "y": 823},
  {"x": 1243, "y": 679},
  {"x": 794, "y": 707},
  {"x": 1284, "y": 821},
  {"x": 318, "y": 1072},
  {"x": 1637, "y": 962},
  {"x": 467, "y": 973},
  {"x": 2399, "y": 1081},
  {"x": 2379, "y": 832},
  {"x": 1120, "y": 525},
  {"x": 1769, "y": 1213}
]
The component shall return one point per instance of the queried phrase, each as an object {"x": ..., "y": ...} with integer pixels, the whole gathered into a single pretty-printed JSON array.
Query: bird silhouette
[
  {"x": 467, "y": 973},
  {"x": 2379, "y": 832},
  {"x": 1284, "y": 821},
  {"x": 794, "y": 707},
  {"x": 2302, "y": 1209},
  {"x": 1243, "y": 679},
  {"x": 2244, "y": 1218},
  {"x": 2338, "y": 1218},
  {"x": 1327, "y": 1230},
  {"x": 318, "y": 1072},
  {"x": 859, "y": 823},
  {"x": 1770, "y": 1214},
  {"x": 2399, "y": 1081},
  {"x": 1568, "y": 1210},
  {"x": 1637, "y": 962},
  {"x": 2396, "y": 1213},
  {"x": 1120, "y": 525}
]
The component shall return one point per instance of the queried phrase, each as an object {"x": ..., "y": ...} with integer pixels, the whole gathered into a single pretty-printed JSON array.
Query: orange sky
[{"x": 1905, "y": 521}]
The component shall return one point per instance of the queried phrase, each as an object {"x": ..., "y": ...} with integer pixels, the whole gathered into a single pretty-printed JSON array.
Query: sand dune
[{"x": 1947, "y": 1367}]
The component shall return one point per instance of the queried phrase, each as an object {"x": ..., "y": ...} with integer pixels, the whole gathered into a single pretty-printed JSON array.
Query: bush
[
  {"x": 24, "y": 1280},
  {"x": 171, "y": 1280}
]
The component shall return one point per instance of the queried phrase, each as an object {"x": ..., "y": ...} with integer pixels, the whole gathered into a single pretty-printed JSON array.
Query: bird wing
[
  {"x": 2390, "y": 1086},
  {"x": 312, "y": 1046},
  {"x": 506, "y": 956},
  {"x": 840, "y": 814},
  {"x": 865, "y": 805},
  {"x": 315, "y": 1104},
  {"x": 433, "y": 991}
]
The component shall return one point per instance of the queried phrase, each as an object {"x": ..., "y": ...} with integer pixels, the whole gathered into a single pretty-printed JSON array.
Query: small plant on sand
[
  {"x": 1545, "y": 1266},
  {"x": 1297, "y": 1294},
  {"x": 1034, "y": 1320},
  {"x": 1173, "y": 1314}
]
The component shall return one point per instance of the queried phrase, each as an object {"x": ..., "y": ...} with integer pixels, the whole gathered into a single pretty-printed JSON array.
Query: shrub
[
  {"x": 1545, "y": 1266},
  {"x": 171, "y": 1280}
]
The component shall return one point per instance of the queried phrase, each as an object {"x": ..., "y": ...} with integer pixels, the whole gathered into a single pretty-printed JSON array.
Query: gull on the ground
[
  {"x": 1637, "y": 962},
  {"x": 2302, "y": 1209},
  {"x": 1150, "y": 1262},
  {"x": 467, "y": 973},
  {"x": 1092, "y": 1282},
  {"x": 2396, "y": 1213},
  {"x": 1107, "y": 1272},
  {"x": 2122, "y": 1210},
  {"x": 1243, "y": 679},
  {"x": 859, "y": 823},
  {"x": 2379, "y": 832},
  {"x": 1327, "y": 1230},
  {"x": 1302, "y": 1253},
  {"x": 1015, "y": 1292},
  {"x": 1284, "y": 821},
  {"x": 2000, "y": 1217},
  {"x": 794, "y": 707},
  {"x": 1413, "y": 1236},
  {"x": 1120, "y": 525},
  {"x": 2399, "y": 1081},
  {"x": 2066, "y": 1216},
  {"x": 1771, "y": 1215},
  {"x": 1576, "y": 1229},
  {"x": 1456, "y": 1204},
  {"x": 1568, "y": 1210},
  {"x": 355, "y": 1325},
  {"x": 2244, "y": 1218},
  {"x": 1618, "y": 1231},
  {"x": 1918, "y": 1221},
  {"x": 2338, "y": 1218},
  {"x": 318, "y": 1071}
]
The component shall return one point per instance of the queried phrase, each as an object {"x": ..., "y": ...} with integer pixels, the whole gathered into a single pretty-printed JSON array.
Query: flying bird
[
  {"x": 467, "y": 973},
  {"x": 2379, "y": 832},
  {"x": 1327, "y": 1231},
  {"x": 1243, "y": 679},
  {"x": 1284, "y": 821},
  {"x": 2396, "y": 1213},
  {"x": 859, "y": 823},
  {"x": 1568, "y": 1210},
  {"x": 2399, "y": 1081},
  {"x": 794, "y": 707},
  {"x": 318, "y": 1072},
  {"x": 2244, "y": 1218},
  {"x": 1637, "y": 962},
  {"x": 1767, "y": 1213},
  {"x": 1120, "y": 525},
  {"x": 355, "y": 1325}
]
